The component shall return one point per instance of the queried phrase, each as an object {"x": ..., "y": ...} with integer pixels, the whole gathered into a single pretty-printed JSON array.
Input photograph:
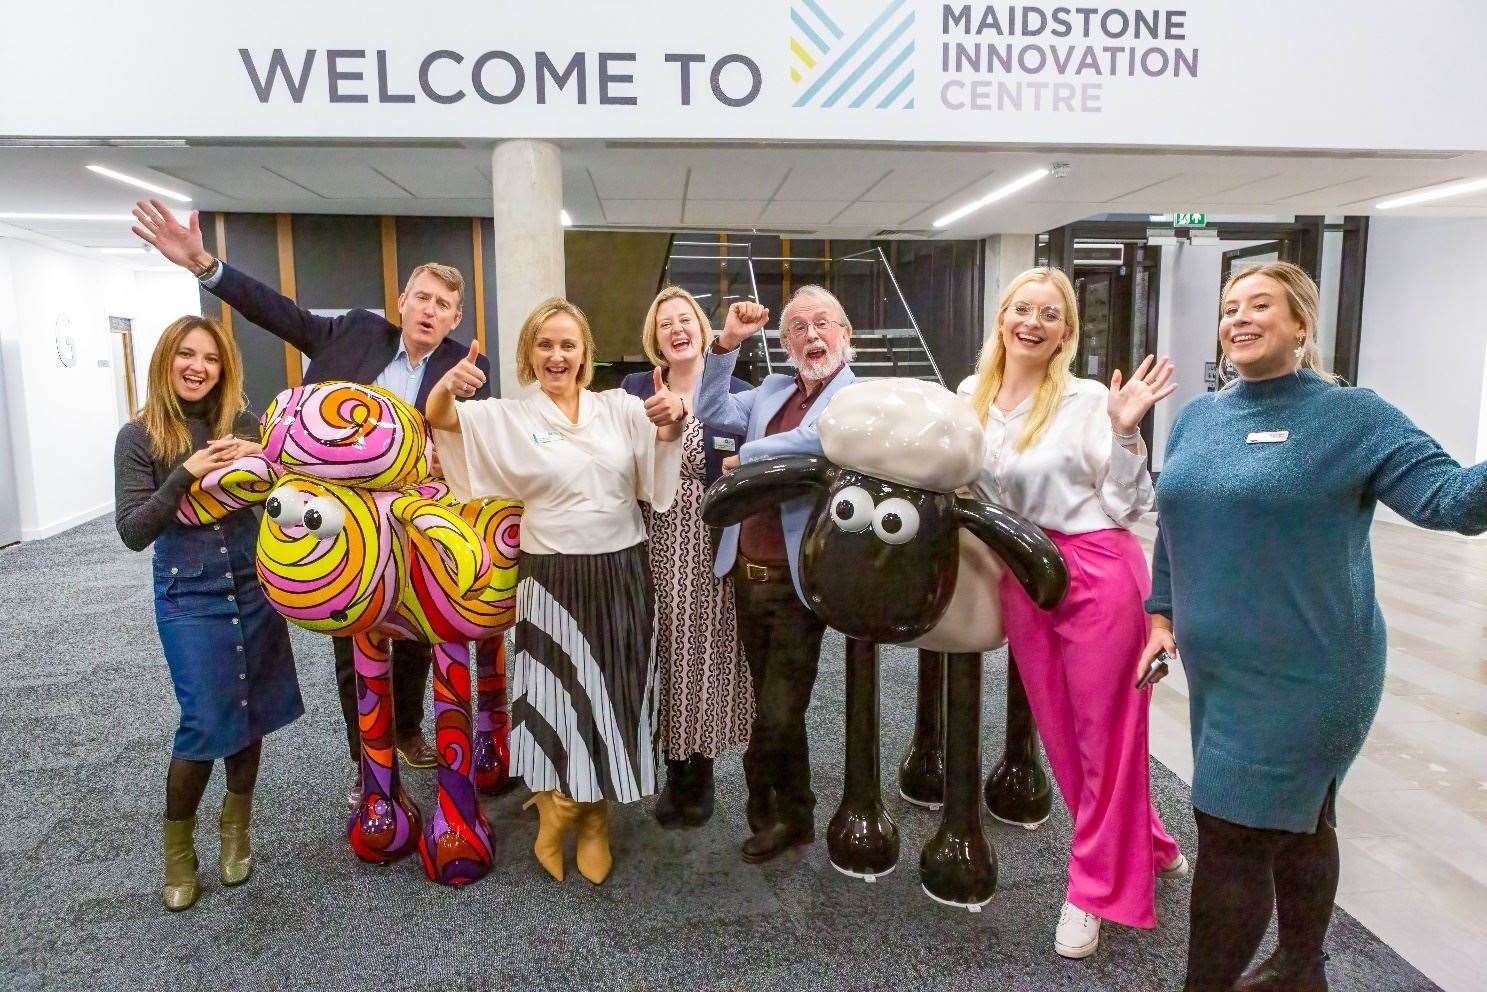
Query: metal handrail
[{"x": 912, "y": 322}]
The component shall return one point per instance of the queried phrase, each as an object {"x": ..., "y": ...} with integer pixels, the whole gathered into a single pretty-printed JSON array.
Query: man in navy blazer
[
  {"x": 407, "y": 359},
  {"x": 781, "y": 636}
]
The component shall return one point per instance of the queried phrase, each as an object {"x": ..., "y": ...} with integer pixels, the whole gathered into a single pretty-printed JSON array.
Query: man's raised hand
[
  {"x": 177, "y": 242},
  {"x": 744, "y": 320}
]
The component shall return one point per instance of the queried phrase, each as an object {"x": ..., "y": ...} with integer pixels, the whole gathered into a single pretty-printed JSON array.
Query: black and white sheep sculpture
[{"x": 894, "y": 555}]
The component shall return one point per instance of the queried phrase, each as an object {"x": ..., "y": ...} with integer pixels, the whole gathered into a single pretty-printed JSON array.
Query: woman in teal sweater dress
[{"x": 1263, "y": 577}]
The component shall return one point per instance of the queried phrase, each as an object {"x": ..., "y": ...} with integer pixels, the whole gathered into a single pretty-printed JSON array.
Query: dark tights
[
  {"x": 187, "y": 780},
  {"x": 1241, "y": 873}
]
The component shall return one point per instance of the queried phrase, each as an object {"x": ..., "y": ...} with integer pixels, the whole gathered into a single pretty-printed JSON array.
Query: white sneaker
[
  {"x": 1177, "y": 869},
  {"x": 1078, "y": 932}
]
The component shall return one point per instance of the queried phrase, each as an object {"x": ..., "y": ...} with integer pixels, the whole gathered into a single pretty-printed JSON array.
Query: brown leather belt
[{"x": 753, "y": 571}]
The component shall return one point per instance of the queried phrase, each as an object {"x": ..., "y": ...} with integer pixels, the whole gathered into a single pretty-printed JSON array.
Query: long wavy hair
[
  {"x": 163, "y": 417},
  {"x": 991, "y": 368}
]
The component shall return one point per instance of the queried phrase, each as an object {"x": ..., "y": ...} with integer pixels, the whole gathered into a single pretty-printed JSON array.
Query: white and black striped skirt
[{"x": 583, "y": 680}]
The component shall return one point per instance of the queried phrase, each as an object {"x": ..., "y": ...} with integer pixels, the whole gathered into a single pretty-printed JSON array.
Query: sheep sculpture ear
[
  {"x": 763, "y": 484},
  {"x": 1022, "y": 546},
  {"x": 221, "y": 491}
]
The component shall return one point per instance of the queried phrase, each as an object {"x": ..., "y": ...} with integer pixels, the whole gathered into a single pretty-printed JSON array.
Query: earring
[{"x": 1300, "y": 351}]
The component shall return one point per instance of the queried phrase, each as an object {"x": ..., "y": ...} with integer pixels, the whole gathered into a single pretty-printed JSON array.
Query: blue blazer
[
  {"x": 355, "y": 346},
  {"x": 643, "y": 385},
  {"x": 749, "y": 413}
]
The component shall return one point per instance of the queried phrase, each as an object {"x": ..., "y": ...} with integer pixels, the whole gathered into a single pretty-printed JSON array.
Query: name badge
[
  {"x": 724, "y": 444},
  {"x": 547, "y": 438},
  {"x": 1268, "y": 437}
]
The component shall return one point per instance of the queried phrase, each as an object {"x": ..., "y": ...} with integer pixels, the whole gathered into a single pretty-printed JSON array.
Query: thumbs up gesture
[
  {"x": 466, "y": 377},
  {"x": 664, "y": 408}
]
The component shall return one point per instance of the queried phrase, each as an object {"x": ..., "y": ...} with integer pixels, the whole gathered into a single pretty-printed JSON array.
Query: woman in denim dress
[{"x": 227, "y": 649}]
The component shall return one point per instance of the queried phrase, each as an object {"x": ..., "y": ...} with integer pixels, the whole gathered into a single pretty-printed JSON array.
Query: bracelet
[{"x": 1127, "y": 438}]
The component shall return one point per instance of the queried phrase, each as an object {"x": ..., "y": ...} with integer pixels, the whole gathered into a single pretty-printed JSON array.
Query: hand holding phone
[{"x": 1159, "y": 668}]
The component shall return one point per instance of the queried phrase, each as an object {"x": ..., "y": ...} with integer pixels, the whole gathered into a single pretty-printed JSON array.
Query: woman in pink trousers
[{"x": 1067, "y": 454}]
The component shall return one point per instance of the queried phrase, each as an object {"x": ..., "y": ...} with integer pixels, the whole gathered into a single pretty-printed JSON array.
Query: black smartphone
[{"x": 1158, "y": 669}]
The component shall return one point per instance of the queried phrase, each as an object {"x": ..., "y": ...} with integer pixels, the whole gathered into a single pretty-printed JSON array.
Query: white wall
[
  {"x": 1187, "y": 325},
  {"x": 62, "y": 421},
  {"x": 1424, "y": 342}
]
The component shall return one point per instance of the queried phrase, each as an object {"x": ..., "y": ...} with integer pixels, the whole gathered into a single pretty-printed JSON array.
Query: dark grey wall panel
[
  {"x": 492, "y": 332},
  {"x": 252, "y": 247},
  {"x": 337, "y": 262},
  {"x": 449, "y": 241}
]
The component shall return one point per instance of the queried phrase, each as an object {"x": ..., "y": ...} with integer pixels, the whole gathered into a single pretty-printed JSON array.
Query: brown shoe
[
  {"x": 415, "y": 751},
  {"x": 774, "y": 840}
]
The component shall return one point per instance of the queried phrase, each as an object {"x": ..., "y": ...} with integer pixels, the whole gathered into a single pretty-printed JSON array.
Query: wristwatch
[{"x": 206, "y": 271}]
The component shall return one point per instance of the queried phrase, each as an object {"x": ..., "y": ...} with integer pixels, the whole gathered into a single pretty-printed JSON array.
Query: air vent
[{"x": 906, "y": 232}]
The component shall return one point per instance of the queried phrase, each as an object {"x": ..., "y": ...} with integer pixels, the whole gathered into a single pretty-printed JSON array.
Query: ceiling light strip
[
  {"x": 1002, "y": 192},
  {"x": 1432, "y": 194},
  {"x": 141, "y": 183}
]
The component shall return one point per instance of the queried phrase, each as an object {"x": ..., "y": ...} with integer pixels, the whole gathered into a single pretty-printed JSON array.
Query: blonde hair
[
  {"x": 991, "y": 368},
  {"x": 1304, "y": 301},
  {"x": 163, "y": 418},
  {"x": 447, "y": 274},
  {"x": 526, "y": 374},
  {"x": 649, "y": 337}
]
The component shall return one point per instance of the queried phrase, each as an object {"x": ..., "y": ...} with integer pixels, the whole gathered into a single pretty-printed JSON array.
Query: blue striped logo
[{"x": 849, "y": 53}]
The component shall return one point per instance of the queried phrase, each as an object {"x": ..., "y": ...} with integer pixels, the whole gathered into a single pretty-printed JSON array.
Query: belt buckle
[{"x": 755, "y": 573}]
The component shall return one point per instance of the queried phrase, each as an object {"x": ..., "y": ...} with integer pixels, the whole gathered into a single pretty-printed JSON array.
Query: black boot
[
  {"x": 1282, "y": 972},
  {"x": 697, "y": 796},
  {"x": 669, "y": 802}
]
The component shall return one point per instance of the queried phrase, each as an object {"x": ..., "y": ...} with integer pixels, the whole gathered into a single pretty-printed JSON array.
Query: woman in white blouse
[
  {"x": 583, "y": 712},
  {"x": 1067, "y": 454}
]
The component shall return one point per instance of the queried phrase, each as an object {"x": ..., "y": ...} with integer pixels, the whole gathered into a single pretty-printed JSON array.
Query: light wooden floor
[{"x": 1412, "y": 813}]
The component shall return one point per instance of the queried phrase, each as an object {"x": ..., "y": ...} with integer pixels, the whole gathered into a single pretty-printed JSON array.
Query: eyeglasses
[
  {"x": 798, "y": 328},
  {"x": 1046, "y": 314}
]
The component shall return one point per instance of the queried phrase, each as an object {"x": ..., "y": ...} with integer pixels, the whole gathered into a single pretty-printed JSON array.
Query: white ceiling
[{"x": 832, "y": 191}]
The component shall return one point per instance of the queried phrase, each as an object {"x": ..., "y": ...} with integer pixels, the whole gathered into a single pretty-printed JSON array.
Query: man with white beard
[{"x": 781, "y": 637}]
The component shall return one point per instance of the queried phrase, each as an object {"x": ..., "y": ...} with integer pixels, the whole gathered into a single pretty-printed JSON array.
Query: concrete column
[
  {"x": 527, "y": 189},
  {"x": 1007, "y": 256}
]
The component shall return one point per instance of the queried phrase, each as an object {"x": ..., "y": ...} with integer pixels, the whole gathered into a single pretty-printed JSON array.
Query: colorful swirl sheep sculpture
[{"x": 359, "y": 540}]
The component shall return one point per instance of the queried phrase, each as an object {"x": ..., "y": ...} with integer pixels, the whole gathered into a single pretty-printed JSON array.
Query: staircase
[{"x": 881, "y": 354}]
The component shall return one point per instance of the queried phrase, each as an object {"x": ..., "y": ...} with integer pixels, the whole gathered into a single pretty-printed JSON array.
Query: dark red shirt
[{"x": 761, "y": 538}]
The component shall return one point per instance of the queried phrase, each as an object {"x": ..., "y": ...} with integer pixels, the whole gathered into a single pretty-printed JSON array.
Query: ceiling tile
[
  {"x": 654, "y": 213},
  {"x": 798, "y": 213},
  {"x": 340, "y": 180},
  {"x": 722, "y": 213}
]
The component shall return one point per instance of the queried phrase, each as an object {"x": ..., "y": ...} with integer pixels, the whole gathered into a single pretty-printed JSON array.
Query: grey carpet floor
[{"x": 86, "y": 718}]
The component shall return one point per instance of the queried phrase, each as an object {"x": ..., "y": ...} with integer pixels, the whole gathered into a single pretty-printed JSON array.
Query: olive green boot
[
  {"x": 237, "y": 854},
  {"x": 181, "y": 888}
]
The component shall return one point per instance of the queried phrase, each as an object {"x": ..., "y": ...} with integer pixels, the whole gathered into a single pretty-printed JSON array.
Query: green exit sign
[{"x": 1189, "y": 220}]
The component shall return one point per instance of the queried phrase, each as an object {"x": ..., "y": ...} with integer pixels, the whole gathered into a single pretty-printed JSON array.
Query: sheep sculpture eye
[
  {"x": 286, "y": 507},
  {"x": 324, "y": 517},
  {"x": 896, "y": 521},
  {"x": 852, "y": 509}
]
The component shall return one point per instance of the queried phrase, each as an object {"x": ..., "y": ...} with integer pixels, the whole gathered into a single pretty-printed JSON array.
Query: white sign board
[{"x": 1319, "y": 74}]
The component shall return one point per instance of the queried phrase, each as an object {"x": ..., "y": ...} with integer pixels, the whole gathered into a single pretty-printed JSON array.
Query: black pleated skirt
[{"x": 583, "y": 680}]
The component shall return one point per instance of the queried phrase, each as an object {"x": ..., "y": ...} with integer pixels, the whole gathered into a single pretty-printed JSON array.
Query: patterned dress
[{"x": 707, "y": 702}]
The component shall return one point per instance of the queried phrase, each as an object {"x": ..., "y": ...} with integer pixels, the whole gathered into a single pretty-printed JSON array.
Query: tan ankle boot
[
  {"x": 556, "y": 815},
  {"x": 236, "y": 861},
  {"x": 593, "y": 855},
  {"x": 179, "y": 842}
]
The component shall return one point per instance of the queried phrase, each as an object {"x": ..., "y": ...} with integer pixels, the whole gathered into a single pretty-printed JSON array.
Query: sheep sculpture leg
[
  {"x": 492, "y": 718},
  {"x": 386, "y": 823},
  {"x": 455, "y": 845},
  {"x": 921, "y": 775},
  {"x": 1018, "y": 790},
  {"x": 957, "y": 866},
  {"x": 861, "y": 838}
]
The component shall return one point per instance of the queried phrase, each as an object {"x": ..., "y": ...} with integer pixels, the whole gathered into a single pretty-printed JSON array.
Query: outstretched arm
[{"x": 274, "y": 312}]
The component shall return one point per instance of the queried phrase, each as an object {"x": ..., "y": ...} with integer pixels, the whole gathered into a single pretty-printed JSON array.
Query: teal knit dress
[{"x": 1263, "y": 564}]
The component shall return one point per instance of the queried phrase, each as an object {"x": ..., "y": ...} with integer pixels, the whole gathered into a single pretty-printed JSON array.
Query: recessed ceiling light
[
  {"x": 93, "y": 217},
  {"x": 1432, "y": 194},
  {"x": 999, "y": 193},
  {"x": 565, "y": 218},
  {"x": 142, "y": 184}
]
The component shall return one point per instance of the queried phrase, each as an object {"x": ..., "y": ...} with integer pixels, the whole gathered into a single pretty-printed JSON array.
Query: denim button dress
[{"x": 227, "y": 649}]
